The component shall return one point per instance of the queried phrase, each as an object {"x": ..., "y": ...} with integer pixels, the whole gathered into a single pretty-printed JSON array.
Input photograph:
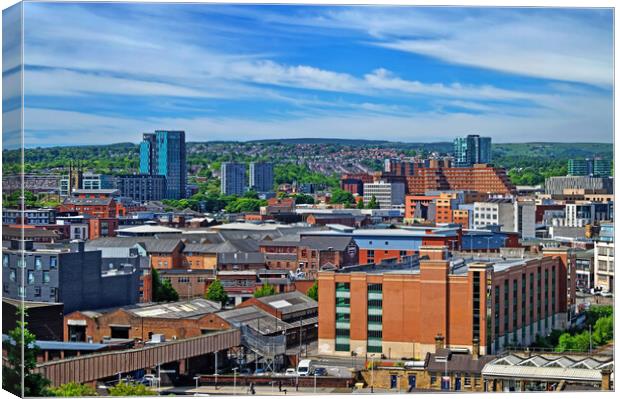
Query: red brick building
[
  {"x": 399, "y": 313},
  {"x": 176, "y": 320},
  {"x": 481, "y": 177}
]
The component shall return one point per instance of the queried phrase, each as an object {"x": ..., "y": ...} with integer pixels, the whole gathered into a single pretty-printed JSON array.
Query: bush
[
  {"x": 73, "y": 389},
  {"x": 126, "y": 389}
]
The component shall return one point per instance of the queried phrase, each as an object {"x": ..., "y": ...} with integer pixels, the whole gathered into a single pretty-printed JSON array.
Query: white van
[{"x": 304, "y": 367}]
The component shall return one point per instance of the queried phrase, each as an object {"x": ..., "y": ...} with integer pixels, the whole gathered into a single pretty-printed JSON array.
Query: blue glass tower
[{"x": 163, "y": 153}]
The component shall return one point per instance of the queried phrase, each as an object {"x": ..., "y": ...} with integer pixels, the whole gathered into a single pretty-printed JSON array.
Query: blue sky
[{"x": 104, "y": 73}]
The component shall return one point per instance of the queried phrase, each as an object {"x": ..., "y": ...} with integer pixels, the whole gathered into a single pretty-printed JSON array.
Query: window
[
  {"x": 37, "y": 291},
  {"x": 37, "y": 263},
  {"x": 21, "y": 262},
  {"x": 21, "y": 291},
  {"x": 46, "y": 277},
  {"x": 5, "y": 288},
  {"x": 5, "y": 260},
  {"x": 53, "y": 263},
  {"x": 467, "y": 380},
  {"x": 30, "y": 277},
  {"x": 12, "y": 274}
]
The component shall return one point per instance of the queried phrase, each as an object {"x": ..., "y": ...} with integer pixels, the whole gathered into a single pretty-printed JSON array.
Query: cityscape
[{"x": 163, "y": 259}]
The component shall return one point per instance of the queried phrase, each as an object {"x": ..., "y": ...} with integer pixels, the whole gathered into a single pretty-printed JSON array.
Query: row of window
[{"x": 21, "y": 262}]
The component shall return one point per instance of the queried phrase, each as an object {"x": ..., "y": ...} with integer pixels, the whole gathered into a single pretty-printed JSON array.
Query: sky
[{"x": 98, "y": 73}]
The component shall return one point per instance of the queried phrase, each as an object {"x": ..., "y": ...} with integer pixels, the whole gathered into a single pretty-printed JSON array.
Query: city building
[
  {"x": 380, "y": 245},
  {"x": 512, "y": 215},
  {"x": 525, "y": 371},
  {"x": 584, "y": 267},
  {"x": 594, "y": 167},
  {"x": 556, "y": 185},
  {"x": 232, "y": 177},
  {"x": 399, "y": 167},
  {"x": 472, "y": 150},
  {"x": 96, "y": 203},
  {"x": 44, "y": 318},
  {"x": 34, "y": 217},
  {"x": 604, "y": 265},
  {"x": 78, "y": 180},
  {"x": 141, "y": 187},
  {"x": 261, "y": 176},
  {"x": 493, "y": 303},
  {"x": 354, "y": 183},
  {"x": 387, "y": 195},
  {"x": 582, "y": 214},
  {"x": 163, "y": 154},
  {"x": 170, "y": 321},
  {"x": 70, "y": 275},
  {"x": 481, "y": 178}
]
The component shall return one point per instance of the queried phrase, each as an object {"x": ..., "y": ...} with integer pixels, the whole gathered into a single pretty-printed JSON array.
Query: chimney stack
[
  {"x": 605, "y": 379},
  {"x": 475, "y": 349},
  {"x": 439, "y": 342}
]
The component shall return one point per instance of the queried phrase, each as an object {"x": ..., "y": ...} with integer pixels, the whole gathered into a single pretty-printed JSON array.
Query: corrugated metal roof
[{"x": 547, "y": 373}]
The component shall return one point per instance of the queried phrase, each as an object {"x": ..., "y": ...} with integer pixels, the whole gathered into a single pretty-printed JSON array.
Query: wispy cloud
[{"x": 227, "y": 61}]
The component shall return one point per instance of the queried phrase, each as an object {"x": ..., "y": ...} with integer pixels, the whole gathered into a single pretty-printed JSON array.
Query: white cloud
[{"x": 550, "y": 44}]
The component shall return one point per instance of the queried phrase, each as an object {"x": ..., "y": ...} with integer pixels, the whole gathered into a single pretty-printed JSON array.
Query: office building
[
  {"x": 387, "y": 195},
  {"x": 70, "y": 275},
  {"x": 232, "y": 177},
  {"x": 557, "y": 185},
  {"x": 580, "y": 215},
  {"x": 596, "y": 167},
  {"x": 261, "y": 176},
  {"x": 471, "y": 150},
  {"x": 163, "y": 153},
  {"x": 513, "y": 216},
  {"x": 85, "y": 181},
  {"x": 354, "y": 183},
  {"x": 401, "y": 312},
  {"x": 479, "y": 178},
  {"x": 141, "y": 187},
  {"x": 34, "y": 217},
  {"x": 603, "y": 262}
]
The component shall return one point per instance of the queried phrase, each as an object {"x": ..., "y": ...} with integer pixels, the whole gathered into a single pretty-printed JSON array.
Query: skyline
[{"x": 243, "y": 73}]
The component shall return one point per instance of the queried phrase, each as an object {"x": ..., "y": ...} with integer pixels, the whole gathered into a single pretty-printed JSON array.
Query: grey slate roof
[
  {"x": 323, "y": 243},
  {"x": 457, "y": 362},
  {"x": 255, "y": 318}
]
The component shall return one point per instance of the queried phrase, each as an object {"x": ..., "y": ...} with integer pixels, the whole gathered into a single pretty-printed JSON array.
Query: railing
[{"x": 265, "y": 346}]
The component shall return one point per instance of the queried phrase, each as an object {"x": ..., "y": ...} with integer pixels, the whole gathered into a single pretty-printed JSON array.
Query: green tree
[
  {"x": 73, "y": 389},
  {"x": 265, "y": 290},
  {"x": 341, "y": 197},
  {"x": 373, "y": 204},
  {"x": 126, "y": 389},
  {"x": 18, "y": 338},
  {"x": 216, "y": 292},
  {"x": 162, "y": 290},
  {"x": 313, "y": 291},
  {"x": 304, "y": 199},
  {"x": 360, "y": 205},
  {"x": 603, "y": 330}
]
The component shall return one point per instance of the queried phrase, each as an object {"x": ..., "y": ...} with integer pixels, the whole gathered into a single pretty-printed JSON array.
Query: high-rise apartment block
[
  {"x": 596, "y": 167},
  {"x": 163, "y": 153},
  {"x": 471, "y": 150},
  {"x": 261, "y": 176},
  {"x": 233, "y": 178}
]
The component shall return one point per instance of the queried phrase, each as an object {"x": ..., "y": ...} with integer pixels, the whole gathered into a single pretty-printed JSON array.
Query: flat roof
[{"x": 148, "y": 229}]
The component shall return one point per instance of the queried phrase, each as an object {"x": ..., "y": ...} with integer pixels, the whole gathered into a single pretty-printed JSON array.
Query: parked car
[
  {"x": 149, "y": 380},
  {"x": 320, "y": 372},
  {"x": 290, "y": 372},
  {"x": 607, "y": 294},
  {"x": 259, "y": 371}
]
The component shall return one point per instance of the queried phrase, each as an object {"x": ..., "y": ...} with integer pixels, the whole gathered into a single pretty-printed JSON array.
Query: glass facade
[
  {"x": 375, "y": 318},
  {"x": 343, "y": 317}
]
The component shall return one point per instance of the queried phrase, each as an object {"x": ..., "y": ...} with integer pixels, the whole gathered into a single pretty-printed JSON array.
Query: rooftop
[
  {"x": 289, "y": 302},
  {"x": 148, "y": 229}
]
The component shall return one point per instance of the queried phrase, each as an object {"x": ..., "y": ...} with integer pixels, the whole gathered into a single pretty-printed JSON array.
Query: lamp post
[
  {"x": 372, "y": 373},
  {"x": 197, "y": 378},
  {"x": 234, "y": 380}
]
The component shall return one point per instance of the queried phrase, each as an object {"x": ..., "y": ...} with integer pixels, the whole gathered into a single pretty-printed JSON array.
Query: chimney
[
  {"x": 438, "y": 342},
  {"x": 475, "y": 349},
  {"x": 605, "y": 379}
]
